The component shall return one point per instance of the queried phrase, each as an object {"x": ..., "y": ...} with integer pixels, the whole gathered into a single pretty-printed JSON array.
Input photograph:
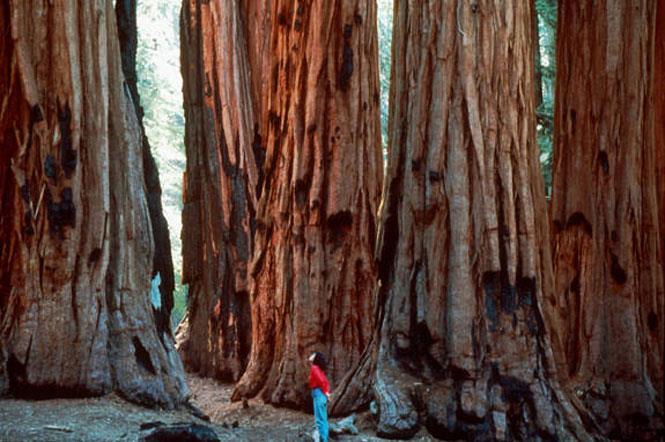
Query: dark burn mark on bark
[
  {"x": 614, "y": 236},
  {"x": 16, "y": 371},
  {"x": 273, "y": 118},
  {"x": 346, "y": 68},
  {"x": 617, "y": 271},
  {"x": 338, "y": 226},
  {"x": 311, "y": 128},
  {"x": 61, "y": 214},
  {"x": 281, "y": 19},
  {"x": 435, "y": 176},
  {"x": 68, "y": 157},
  {"x": 28, "y": 228},
  {"x": 94, "y": 256},
  {"x": 302, "y": 189},
  {"x": 458, "y": 374},
  {"x": 526, "y": 290},
  {"x": 259, "y": 158},
  {"x": 36, "y": 114},
  {"x": 652, "y": 322},
  {"x": 603, "y": 161},
  {"x": 358, "y": 19},
  {"x": 50, "y": 167},
  {"x": 575, "y": 284},
  {"x": 499, "y": 293},
  {"x": 274, "y": 74},
  {"x": 578, "y": 219},
  {"x": 25, "y": 193},
  {"x": 238, "y": 211},
  {"x": 492, "y": 286},
  {"x": 142, "y": 356}
]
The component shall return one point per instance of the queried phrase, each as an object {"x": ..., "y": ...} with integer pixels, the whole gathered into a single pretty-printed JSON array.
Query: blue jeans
[{"x": 320, "y": 401}]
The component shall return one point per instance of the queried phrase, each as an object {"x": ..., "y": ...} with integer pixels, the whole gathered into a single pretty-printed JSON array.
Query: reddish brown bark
[
  {"x": 608, "y": 266},
  {"x": 224, "y": 156},
  {"x": 313, "y": 274},
  {"x": 462, "y": 346},
  {"x": 76, "y": 247},
  {"x": 659, "y": 120}
]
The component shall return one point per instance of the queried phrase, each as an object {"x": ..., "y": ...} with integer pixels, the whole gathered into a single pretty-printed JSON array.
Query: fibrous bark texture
[
  {"x": 313, "y": 272},
  {"x": 659, "y": 121},
  {"x": 76, "y": 246},
  {"x": 608, "y": 265},
  {"x": 162, "y": 263},
  {"x": 461, "y": 344},
  {"x": 224, "y": 159}
]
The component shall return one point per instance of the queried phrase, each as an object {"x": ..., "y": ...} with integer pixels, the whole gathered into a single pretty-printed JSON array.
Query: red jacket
[{"x": 318, "y": 379}]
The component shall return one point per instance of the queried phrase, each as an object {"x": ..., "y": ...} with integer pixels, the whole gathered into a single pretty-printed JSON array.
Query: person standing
[{"x": 318, "y": 383}]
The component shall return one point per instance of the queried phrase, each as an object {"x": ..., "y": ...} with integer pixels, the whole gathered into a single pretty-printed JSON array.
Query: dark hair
[{"x": 320, "y": 361}]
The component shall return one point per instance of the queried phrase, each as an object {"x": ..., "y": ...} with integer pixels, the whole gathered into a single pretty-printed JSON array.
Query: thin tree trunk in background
[
  {"x": 313, "y": 272},
  {"x": 224, "y": 160},
  {"x": 608, "y": 266},
  {"x": 162, "y": 263},
  {"x": 463, "y": 246},
  {"x": 76, "y": 247}
]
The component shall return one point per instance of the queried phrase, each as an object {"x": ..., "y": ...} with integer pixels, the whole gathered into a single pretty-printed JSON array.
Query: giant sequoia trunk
[
  {"x": 162, "y": 263},
  {"x": 608, "y": 266},
  {"x": 76, "y": 242},
  {"x": 461, "y": 345},
  {"x": 224, "y": 154},
  {"x": 313, "y": 268}
]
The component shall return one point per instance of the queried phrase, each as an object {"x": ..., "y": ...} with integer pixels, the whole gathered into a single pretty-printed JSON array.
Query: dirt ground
[{"x": 112, "y": 419}]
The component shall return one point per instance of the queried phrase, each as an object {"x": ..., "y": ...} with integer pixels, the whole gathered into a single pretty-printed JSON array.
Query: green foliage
[
  {"x": 179, "y": 301},
  {"x": 385, "y": 30},
  {"x": 547, "y": 10}
]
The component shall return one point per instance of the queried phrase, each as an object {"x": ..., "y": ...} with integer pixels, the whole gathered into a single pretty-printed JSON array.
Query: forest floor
[{"x": 110, "y": 418}]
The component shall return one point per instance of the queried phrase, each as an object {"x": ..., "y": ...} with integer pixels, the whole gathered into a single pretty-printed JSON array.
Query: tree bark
[
  {"x": 76, "y": 249},
  {"x": 223, "y": 175},
  {"x": 659, "y": 121},
  {"x": 313, "y": 272},
  {"x": 461, "y": 344},
  {"x": 608, "y": 263},
  {"x": 162, "y": 263}
]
